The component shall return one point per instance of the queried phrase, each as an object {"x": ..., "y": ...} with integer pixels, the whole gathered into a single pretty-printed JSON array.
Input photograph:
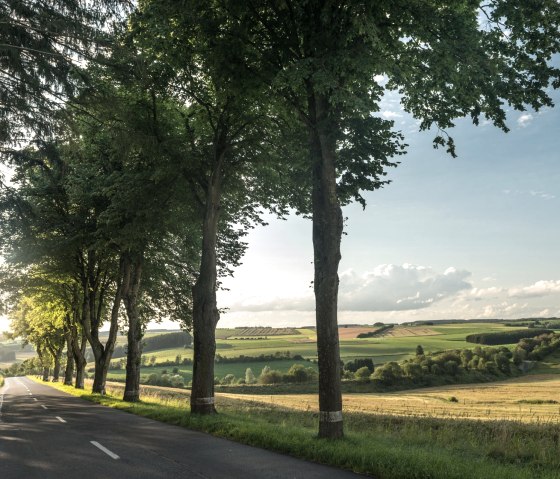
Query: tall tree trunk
[
  {"x": 327, "y": 233},
  {"x": 79, "y": 351},
  {"x": 45, "y": 373},
  {"x": 56, "y": 370},
  {"x": 102, "y": 353},
  {"x": 205, "y": 309},
  {"x": 69, "y": 371},
  {"x": 133, "y": 278}
]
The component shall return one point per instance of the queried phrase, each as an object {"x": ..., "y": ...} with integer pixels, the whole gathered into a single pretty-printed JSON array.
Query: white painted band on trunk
[
  {"x": 204, "y": 401},
  {"x": 105, "y": 450},
  {"x": 330, "y": 416}
]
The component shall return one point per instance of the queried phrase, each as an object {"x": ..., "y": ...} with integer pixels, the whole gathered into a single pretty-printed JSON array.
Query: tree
[
  {"x": 250, "y": 376},
  {"x": 44, "y": 47},
  {"x": 419, "y": 350},
  {"x": 229, "y": 157},
  {"x": 446, "y": 59}
]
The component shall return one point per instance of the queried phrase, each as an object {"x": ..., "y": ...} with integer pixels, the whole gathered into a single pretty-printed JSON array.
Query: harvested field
[
  {"x": 263, "y": 332},
  {"x": 352, "y": 332},
  {"x": 397, "y": 332},
  {"x": 531, "y": 399}
]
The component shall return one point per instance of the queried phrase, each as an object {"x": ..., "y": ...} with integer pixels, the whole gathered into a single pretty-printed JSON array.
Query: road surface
[{"x": 45, "y": 433}]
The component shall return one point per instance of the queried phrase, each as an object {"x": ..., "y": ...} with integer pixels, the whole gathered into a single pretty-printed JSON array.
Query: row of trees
[{"x": 147, "y": 139}]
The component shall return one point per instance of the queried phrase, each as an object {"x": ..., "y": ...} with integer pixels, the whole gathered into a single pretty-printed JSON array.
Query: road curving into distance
[{"x": 48, "y": 434}]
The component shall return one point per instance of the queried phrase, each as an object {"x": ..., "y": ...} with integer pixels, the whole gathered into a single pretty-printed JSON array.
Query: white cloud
[
  {"x": 524, "y": 120},
  {"x": 535, "y": 290},
  {"x": 542, "y": 194},
  {"x": 388, "y": 287},
  {"x": 388, "y": 114},
  {"x": 485, "y": 293},
  {"x": 534, "y": 193}
]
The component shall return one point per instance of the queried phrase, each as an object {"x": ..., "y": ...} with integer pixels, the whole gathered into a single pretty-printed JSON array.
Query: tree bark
[
  {"x": 56, "y": 370},
  {"x": 205, "y": 309},
  {"x": 45, "y": 373},
  {"x": 79, "y": 352},
  {"x": 69, "y": 371},
  {"x": 133, "y": 278},
  {"x": 102, "y": 353},
  {"x": 327, "y": 233}
]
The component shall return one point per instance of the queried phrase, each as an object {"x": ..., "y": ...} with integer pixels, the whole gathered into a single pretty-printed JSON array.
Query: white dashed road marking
[
  {"x": 105, "y": 450},
  {"x": 60, "y": 419},
  {"x": 43, "y": 406}
]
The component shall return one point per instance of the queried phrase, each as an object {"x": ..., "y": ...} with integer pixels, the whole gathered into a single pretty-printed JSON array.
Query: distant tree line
[
  {"x": 377, "y": 332},
  {"x": 505, "y": 337}
]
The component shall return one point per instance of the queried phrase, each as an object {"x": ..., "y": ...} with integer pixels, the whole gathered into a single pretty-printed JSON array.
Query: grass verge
[
  {"x": 385, "y": 447},
  {"x": 1, "y": 380}
]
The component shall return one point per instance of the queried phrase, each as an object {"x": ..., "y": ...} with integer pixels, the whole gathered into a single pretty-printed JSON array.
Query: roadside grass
[
  {"x": 384, "y": 446},
  {"x": 1, "y": 380}
]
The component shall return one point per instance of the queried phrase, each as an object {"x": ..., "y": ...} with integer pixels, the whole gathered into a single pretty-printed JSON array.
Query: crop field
[
  {"x": 403, "y": 332},
  {"x": 530, "y": 399}
]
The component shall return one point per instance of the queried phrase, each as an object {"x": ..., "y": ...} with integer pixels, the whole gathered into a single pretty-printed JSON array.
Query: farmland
[{"x": 396, "y": 344}]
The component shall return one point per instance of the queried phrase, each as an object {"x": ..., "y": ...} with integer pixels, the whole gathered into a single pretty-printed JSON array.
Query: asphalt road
[{"x": 45, "y": 433}]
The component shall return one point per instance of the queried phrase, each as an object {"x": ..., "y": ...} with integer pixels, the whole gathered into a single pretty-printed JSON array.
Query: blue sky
[{"x": 468, "y": 237}]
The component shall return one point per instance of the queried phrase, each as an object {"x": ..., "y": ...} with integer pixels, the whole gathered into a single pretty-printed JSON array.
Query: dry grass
[{"x": 495, "y": 401}]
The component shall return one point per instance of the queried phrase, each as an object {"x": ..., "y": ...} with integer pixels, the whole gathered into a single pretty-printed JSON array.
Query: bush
[
  {"x": 389, "y": 373},
  {"x": 250, "y": 376},
  {"x": 228, "y": 379},
  {"x": 362, "y": 374},
  {"x": 298, "y": 374},
  {"x": 271, "y": 377},
  {"x": 356, "y": 364}
]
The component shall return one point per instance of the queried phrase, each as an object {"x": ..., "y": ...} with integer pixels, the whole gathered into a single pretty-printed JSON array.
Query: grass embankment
[
  {"x": 386, "y": 447},
  {"x": 1, "y": 380}
]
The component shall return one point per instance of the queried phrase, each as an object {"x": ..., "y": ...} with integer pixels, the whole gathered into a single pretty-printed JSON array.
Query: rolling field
[
  {"x": 531, "y": 399},
  {"x": 398, "y": 345}
]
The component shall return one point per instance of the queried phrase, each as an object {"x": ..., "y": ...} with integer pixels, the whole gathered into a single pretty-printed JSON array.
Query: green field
[
  {"x": 451, "y": 336},
  {"x": 220, "y": 370},
  {"x": 400, "y": 345}
]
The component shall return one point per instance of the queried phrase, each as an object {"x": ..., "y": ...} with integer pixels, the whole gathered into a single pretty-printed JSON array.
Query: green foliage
[
  {"x": 359, "y": 363},
  {"x": 250, "y": 377},
  {"x": 536, "y": 349},
  {"x": 271, "y": 376},
  {"x": 362, "y": 374},
  {"x": 505, "y": 337}
]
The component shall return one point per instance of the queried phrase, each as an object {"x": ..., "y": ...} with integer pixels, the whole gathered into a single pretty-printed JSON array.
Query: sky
[{"x": 468, "y": 237}]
